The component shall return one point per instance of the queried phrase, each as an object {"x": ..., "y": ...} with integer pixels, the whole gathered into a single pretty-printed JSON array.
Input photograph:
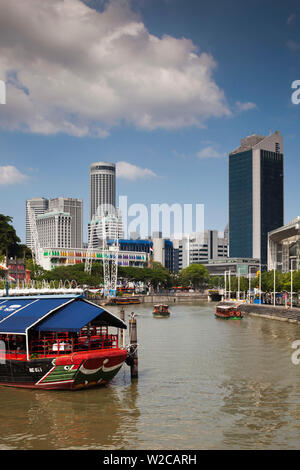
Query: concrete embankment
[
  {"x": 171, "y": 299},
  {"x": 162, "y": 298},
  {"x": 280, "y": 313}
]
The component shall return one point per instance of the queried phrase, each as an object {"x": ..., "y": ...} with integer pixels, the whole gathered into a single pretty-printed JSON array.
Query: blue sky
[{"x": 250, "y": 54}]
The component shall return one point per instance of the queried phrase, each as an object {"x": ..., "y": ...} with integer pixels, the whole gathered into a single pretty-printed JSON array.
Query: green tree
[
  {"x": 195, "y": 275},
  {"x": 9, "y": 241}
]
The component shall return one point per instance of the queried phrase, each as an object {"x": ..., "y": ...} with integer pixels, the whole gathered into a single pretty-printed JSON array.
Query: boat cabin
[
  {"x": 161, "y": 309},
  {"x": 231, "y": 311},
  {"x": 50, "y": 326}
]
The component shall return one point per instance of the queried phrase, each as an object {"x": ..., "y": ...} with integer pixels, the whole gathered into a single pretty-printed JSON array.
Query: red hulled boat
[
  {"x": 58, "y": 343},
  {"x": 229, "y": 311},
  {"x": 161, "y": 311}
]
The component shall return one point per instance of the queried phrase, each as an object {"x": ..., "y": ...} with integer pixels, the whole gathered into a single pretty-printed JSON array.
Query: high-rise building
[
  {"x": 104, "y": 228},
  {"x": 40, "y": 206},
  {"x": 102, "y": 188},
  {"x": 199, "y": 248},
  {"x": 54, "y": 229},
  {"x": 255, "y": 195},
  {"x": 73, "y": 207}
]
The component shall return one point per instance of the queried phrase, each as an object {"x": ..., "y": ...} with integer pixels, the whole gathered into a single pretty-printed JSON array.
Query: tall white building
[
  {"x": 54, "y": 229},
  {"x": 102, "y": 187},
  {"x": 73, "y": 207},
  {"x": 40, "y": 206},
  {"x": 108, "y": 227},
  {"x": 198, "y": 248}
]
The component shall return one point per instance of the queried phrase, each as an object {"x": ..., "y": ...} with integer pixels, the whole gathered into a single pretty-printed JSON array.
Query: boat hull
[
  {"x": 67, "y": 372},
  {"x": 232, "y": 317}
]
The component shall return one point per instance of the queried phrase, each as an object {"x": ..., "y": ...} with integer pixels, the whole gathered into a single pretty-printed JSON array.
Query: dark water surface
[{"x": 203, "y": 384}]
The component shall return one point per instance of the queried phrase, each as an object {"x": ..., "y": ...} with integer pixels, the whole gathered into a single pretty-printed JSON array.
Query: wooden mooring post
[
  {"x": 122, "y": 335},
  {"x": 133, "y": 346}
]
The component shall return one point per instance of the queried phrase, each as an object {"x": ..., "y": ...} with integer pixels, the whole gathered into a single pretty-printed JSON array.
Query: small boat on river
[
  {"x": 126, "y": 300},
  {"x": 58, "y": 343},
  {"x": 229, "y": 311},
  {"x": 161, "y": 311}
]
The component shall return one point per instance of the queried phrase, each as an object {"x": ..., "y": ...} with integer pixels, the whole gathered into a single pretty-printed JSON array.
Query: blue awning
[
  {"x": 51, "y": 313},
  {"x": 18, "y": 314},
  {"x": 76, "y": 315}
]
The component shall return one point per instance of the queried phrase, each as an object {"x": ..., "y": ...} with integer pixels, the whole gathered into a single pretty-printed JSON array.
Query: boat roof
[
  {"x": 225, "y": 307},
  {"x": 51, "y": 313},
  {"x": 228, "y": 305}
]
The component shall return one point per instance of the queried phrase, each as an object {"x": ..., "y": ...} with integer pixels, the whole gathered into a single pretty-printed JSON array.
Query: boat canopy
[{"x": 51, "y": 313}]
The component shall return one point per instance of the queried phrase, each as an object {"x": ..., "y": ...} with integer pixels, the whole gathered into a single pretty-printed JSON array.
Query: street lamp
[
  {"x": 260, "y": 284},
  {"x": 229, "y": 284},
  {"x": 249, "y": 273},
  {"x": 274, "y": 295},
  {"x": 292, "y": 281}
]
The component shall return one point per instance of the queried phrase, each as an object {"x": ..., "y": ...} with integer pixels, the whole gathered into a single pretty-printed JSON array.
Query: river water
[{"x": 203, "y": 384}]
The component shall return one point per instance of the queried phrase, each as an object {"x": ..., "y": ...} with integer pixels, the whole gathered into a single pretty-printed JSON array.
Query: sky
[{"x": 163, "y": 88}]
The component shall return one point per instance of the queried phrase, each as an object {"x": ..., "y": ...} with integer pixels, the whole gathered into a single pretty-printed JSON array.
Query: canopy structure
[
  {"x": 51, "y": 313},
  {"x": 75, "y": 315}
]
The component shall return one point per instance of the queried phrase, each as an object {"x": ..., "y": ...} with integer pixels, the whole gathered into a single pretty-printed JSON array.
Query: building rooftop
[
  {"x": 248, "y": 143},
  {"x": 251, "y": 141},
  {"x": 53, "y": 214}
]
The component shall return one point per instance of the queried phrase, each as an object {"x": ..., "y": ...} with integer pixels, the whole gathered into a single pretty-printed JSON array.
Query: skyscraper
[
  {"x": 73, "y": 207},
  {"x": 40, "y": 206},
  {"x": 54, "y": 229},
  {"x": 255, "y": 194},
  {"x": 102, "y": 187}
]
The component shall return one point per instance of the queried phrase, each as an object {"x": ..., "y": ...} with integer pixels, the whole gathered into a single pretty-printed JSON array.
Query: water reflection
[
  {"x": 203, "y": 384},
  {"x": 258, "y": 412},
  {"x": 99, "y": 418}
]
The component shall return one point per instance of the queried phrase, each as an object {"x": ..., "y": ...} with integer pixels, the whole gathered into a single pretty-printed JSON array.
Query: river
[{"x": 203, "y": 384}]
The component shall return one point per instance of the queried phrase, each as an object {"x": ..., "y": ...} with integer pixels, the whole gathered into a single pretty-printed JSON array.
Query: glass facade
[
  {"x": 271, "y": 187},
  {"x": 240, "y": 205},
  {"x": 241, "y": 201}
]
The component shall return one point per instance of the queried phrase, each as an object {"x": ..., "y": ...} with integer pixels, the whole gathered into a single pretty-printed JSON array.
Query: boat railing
[
  {"x": 54, "y": 344},
  {"x": 48, "y": 346}
]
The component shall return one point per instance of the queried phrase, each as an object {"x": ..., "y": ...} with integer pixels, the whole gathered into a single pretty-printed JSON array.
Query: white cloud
[
  {"x": 72, "y": 69},
  {"x": 291, "y": 18},
  {"x": 245, "y": 106},
  {"x": 132, "y": 172},
  {"x": 11, "y": 175},
  {"x": 210, "y": 152},
  {"x": 293, "y": 45}
]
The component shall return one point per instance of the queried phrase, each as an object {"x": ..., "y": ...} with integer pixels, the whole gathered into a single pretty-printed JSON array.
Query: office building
[
  {"x": 255, "y": 195},
  {"x": 199, "y": 248},
  {"x": 74, "y": 207},
  {"x": 163, "y": 251},
  {"x": 245, "y": 267},
  {"x": 54, "y": 229},
  {"x": 40, "y": 206},
  {"x": 102, "y": 188}
]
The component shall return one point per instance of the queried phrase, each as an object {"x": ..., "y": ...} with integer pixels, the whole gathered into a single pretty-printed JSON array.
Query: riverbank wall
[
  {"x": 161, "y": 298},
  {"x": 280, "y": 313},
  {"x": 172, "y": 298}
]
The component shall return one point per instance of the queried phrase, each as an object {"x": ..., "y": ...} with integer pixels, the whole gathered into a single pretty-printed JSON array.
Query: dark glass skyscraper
[{"x": 255, "y": 195}]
